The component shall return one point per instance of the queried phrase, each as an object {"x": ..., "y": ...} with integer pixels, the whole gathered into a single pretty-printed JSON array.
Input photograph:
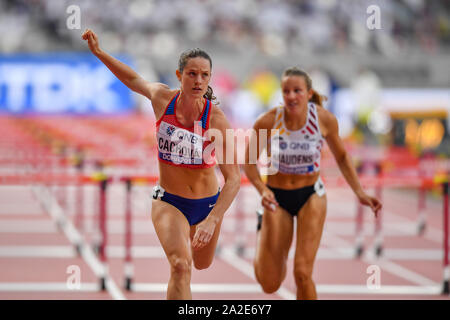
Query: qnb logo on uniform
[
  {"x": 180, "y": 146},
  {"x": 299, "y": 145}
]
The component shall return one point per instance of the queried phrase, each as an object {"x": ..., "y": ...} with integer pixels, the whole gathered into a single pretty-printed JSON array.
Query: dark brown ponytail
[
  {"x": 210, "y": 94},
  {"x": 316, "y": 98}
]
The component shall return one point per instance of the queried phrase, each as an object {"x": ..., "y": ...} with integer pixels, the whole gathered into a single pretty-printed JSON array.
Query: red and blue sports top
[{"x": 181, "y": 146}]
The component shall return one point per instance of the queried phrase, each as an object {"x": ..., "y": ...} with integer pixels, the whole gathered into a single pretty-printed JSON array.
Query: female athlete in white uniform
[{"x": 296, "y": 189}]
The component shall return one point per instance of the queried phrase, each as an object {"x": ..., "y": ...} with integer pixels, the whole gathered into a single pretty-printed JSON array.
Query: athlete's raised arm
[{"x": 123, "y": 72}]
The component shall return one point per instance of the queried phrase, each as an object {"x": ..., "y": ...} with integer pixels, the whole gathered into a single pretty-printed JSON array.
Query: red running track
[{"x": 36, "y": 254}]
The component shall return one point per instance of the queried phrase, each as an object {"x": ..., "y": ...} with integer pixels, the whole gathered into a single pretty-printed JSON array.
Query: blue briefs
[{"x": 195, "y": 210}]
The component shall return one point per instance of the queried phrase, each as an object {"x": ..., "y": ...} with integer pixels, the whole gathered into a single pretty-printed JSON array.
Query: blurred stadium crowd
[
  {"x": 274, "y": 27},
  {"x": 251, "y": 42}
]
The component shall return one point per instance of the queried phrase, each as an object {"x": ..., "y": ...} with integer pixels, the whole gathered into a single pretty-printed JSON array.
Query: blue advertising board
[{"x": 75, "y": 83}]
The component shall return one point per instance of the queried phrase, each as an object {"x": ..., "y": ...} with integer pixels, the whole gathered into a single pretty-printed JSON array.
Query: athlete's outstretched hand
[
  {"x": 92, "y": 40},
  {"x": 203, "y": 233},
  {"x": 372, "y": 202},
  {"x": 268, "y": 200}
]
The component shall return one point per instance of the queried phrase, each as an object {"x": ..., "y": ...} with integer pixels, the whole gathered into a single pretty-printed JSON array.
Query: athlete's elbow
[
  {"x": 131, "y": 83},
  {"x": 341, "y": 157}
]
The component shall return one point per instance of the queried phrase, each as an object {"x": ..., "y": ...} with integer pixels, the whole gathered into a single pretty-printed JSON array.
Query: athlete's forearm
[
  {"x": 226, "y": 197},
  {"x": 349, "y": 172},
  {"x": 251, "y": 171},
  {"x": 123, "y": 72}
]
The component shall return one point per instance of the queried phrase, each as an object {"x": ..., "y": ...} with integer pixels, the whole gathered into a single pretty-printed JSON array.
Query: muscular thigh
[
  {"x": 310, "y": 222},
  {"x": 276, "y": 234},
  {"x": 172, "y": 229},
  {"x": 206, "y": 254}
]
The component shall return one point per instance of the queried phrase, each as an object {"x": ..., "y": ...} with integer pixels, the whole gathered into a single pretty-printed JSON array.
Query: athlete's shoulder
[
  {"x": 266, "y": 120},
  {"x": 218, "y": 118},
  {"x": 327, "y": 119},
  {"x": 216, "y": 111},
  {"x": 161, "y": 97},
  {"x": 324, "y": 114},
  {"x": 163, "y": 92}
]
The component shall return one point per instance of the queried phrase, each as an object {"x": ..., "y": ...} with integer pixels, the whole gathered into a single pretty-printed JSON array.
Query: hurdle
[{"x": 128, "y": 257}]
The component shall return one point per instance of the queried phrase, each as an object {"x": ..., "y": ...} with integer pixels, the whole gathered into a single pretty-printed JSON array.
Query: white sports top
[{"x": 297, "y": 152}]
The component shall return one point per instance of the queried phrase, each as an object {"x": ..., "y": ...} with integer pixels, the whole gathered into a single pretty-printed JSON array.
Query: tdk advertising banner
[{"x": 75, "y": 83}]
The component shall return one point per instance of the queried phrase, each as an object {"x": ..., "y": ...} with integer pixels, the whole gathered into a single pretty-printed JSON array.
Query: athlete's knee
[
  {"x": 270, "y": 281},
  {"x": 202, "y": 264},
  {"x": 180, "y": 265},
  {"x": 270, "y": 285},
  {"x": 302, "y": 272}
]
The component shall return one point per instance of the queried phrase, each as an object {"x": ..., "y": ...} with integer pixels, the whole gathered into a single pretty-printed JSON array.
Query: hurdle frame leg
[
  {"x": 103, "y": 231},
  {"x": 446, "y": 280},
  {"x": 421, "y": 205},
  {"x": 379, "y": 220},
  {"x": 128, "y": 265}
]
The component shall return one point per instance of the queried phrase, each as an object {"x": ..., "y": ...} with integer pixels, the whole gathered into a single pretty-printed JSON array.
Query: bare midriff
[
  {"x": 291, "y": 181},
  {"x": 188, "y": 183}
]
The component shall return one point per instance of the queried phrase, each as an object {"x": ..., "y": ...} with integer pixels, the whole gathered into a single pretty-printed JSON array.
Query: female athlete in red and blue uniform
[{"x": 187, "y": 208}]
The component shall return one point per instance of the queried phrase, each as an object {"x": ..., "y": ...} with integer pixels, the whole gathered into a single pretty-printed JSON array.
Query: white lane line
[
  {"x": 48, "y": 227},
  {"x": 136, "y": 252},
  {"x": 27, "y": 226},
  {"x": 13, "y": 211},
  {"x": 56, "y": 212},
  {"x": 355, "y": 289},
  {"x": 46, "y": 286},
  {"x": 37, "y": 251},
  {"x": 70, "y": 252},
  {"x": 396, "y": 229},
  {"x": 156, "y": 252},
  {"x": 348, "y": 253},
  {"x": 238, "y": 288},
  {"x": 235, "y": 288},
  {"x": 145, "y": 227},
  {"x": 246, "y": 268}
]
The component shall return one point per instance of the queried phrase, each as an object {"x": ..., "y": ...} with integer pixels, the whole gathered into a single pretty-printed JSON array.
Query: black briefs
[{"x": 293, "y": 200}]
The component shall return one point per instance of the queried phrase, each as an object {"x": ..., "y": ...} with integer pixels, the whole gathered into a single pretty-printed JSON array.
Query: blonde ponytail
[{"x": 317, "y": 98}]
